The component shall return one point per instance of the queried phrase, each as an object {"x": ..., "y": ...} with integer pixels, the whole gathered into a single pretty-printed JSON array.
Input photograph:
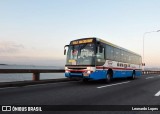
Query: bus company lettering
[
  {"x": 125, "y": 65},
  {"x": 110, "y": 63}
]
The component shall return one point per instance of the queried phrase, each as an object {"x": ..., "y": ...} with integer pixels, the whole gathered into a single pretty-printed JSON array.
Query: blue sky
[{"x": 35, "y": 31}]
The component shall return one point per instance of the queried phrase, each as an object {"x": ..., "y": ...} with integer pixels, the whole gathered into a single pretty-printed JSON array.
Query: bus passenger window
[
  {"x": 100, "y": 49},
  {"x": 100, "y": 53}
]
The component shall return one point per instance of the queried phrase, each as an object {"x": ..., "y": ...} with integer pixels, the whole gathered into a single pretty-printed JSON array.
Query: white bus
[{"x": 96, "y": 59}]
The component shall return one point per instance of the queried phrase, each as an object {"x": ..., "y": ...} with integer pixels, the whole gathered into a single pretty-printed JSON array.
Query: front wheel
[
  {"x": 108, "y": 78},
  {"x": 85, "y": 80}
]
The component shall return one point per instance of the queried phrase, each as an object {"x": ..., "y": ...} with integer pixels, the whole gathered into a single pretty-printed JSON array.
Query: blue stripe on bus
[{"x": 101, "y": 74}]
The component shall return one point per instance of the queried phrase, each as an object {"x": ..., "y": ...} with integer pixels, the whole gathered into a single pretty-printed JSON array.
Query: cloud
[
  {"x": 10, "y": 47},
  {"x": 12, "y": 52}
]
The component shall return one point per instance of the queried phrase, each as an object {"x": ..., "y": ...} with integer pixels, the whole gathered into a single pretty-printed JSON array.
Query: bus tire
[
  {"x": 133, "y": 76},
  {"x": 108, "y": 78},
  {"x": 85, "y": 80}
]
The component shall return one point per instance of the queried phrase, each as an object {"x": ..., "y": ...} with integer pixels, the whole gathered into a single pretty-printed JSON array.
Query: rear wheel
[{"x": 133, "y": 76}]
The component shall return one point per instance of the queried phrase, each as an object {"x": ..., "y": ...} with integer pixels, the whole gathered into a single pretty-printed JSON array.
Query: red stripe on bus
[{"x": 116, "y": 68}]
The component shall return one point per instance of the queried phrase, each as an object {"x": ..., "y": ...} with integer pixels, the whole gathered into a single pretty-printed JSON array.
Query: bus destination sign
[{"x": 82, "y": 41}]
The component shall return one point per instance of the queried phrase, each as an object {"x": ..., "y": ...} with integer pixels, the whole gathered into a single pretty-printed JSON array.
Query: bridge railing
[
  {"x": 150, "y": 72},
  {"x": 36, "y": 72}
]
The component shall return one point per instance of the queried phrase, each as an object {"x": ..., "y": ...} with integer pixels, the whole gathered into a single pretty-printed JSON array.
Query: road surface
[{"x": 144, "y": 90}]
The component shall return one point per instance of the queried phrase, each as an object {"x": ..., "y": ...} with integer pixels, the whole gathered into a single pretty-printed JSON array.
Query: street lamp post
[{"x": 143, "y": 42}]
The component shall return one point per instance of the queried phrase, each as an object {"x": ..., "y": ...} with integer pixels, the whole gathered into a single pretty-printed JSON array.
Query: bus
[{"x": 97, "y": 59}]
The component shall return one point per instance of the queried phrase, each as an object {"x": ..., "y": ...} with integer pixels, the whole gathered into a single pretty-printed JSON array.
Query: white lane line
[
  {"x": 113, "y": 84},
  {"x": 149, "y": 78},
  {"x": 157, "y": 94},
  {"x": 8, "y": 88},
  {"x": 152, "y": 77}
]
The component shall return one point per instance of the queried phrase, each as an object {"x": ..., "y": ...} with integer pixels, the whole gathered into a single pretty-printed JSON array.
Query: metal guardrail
[
  {"x": 36, "y": 72},
  {"x": 150, "y": 72}
]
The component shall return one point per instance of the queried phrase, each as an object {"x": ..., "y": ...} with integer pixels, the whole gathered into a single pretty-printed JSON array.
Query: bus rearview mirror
[
  {"x": 65, "y": 49},
  {"x": 65, "y": 52}
]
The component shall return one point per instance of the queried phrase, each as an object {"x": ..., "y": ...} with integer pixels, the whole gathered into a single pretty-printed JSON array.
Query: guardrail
[
  {"x": 36, "y": 72},
  {"x": 150, "y": 72}
]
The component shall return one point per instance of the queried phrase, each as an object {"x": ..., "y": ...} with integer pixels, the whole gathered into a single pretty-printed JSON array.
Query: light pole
[{"x": 143, "y": 42}]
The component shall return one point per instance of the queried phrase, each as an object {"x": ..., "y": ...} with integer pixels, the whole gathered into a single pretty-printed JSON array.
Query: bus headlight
[
  {"x": 87, "y": 73},
  {"x": 67, "y": 71},
  {"x": 66, "y": 68}
]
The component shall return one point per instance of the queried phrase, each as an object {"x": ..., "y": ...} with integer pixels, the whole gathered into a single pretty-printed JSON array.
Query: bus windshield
[{"x": 82, "y": 54}]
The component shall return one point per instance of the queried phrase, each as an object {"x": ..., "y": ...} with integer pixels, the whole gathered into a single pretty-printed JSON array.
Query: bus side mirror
[{"x": 64, "y": 51}]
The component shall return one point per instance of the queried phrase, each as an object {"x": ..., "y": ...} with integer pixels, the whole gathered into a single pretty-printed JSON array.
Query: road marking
[
  {"x": 113, "y": 84},
  {"x": 8, "y": 87},
  {"x": 149, "y": 78},
  {"x": 152, "y": 77},
  {"x": 157, "y": 94}
]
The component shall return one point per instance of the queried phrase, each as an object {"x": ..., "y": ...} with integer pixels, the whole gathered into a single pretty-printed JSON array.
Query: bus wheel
[
  {"x": 85, "y": 80},
  {"x": 108, "y": 78},
  {"x": 69, "y": 78}
]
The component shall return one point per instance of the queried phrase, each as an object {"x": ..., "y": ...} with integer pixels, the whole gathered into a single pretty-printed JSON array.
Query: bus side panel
[
  {"x": 138, "y": 73},
  {"x": 122, "y": 73},
  {"x": 118, "y": 74},
  {"x": 98, "y": 74},
  {"x": 129, "y": 73}
]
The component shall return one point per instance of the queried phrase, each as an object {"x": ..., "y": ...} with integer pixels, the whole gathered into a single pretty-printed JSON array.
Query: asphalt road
[{"x": 144, "y": 90}]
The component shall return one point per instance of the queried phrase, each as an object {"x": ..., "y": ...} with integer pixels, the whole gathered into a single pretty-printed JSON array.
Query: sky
[{"x": 34, "y": 32}]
